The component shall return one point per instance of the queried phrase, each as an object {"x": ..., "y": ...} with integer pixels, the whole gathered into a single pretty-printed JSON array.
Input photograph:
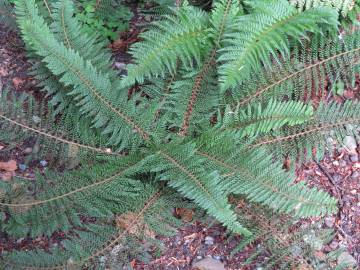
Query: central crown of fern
[{"x": 217, "y": 97}]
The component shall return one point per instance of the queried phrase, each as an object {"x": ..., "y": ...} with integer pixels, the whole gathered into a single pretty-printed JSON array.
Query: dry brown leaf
[
  {"x": 134, "y": 225},
  {"x": 3, "y": 72},
  {"x": 8, "y": 166},
  {"x": 17, "y": 82},
  {"x": 6, "y": 176},
  {"x": 304, "y": 267},
  {"x": 185, "y": 214}
]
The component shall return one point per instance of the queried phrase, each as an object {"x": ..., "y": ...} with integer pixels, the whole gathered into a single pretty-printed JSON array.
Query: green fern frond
[
  {"x": 331, "y": 120},
  {"x": 307, "y": 73},
  {"x": 260, "y": 179},
  {"x": 21, "y": 122},
  {"x": 183, "y": 170},
  {"x": 91, "y": 88},
  {"x": 100, "y": 191},
  {"x": 265, "y": 36},
  {"x": 255, "y": 119},
  {"x": 341, "y": 6},
  {"x": 90, "y": 246},
  {"x": 180, "y": 36}
]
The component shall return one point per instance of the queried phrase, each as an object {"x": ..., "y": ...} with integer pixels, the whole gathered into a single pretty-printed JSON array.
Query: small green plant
[{"x": 107, "y": 19}]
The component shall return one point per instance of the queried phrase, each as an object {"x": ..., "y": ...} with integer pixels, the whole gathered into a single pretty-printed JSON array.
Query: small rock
[
  {"x": 334, "y": 244},
  {"x": 346, "y": 259},
  {"x": 20, "y": 240},
  {"x": 355, "y": 175},
  {"x": 22, "y": 167},
  {"x": 120, "y": 66},
  {"x": 296, "y": 251},
  {"x": 354, "y": 158},
  {"x": 199, "y": 257},
  {"x": 28, "y": 150},
  {"x": 329, "y": 222},
  {"x": 337, "y": 178},
  {"x": 217, "y": 257},
  {"x": 350, "y": 144},
  {"x": 209, "y": 240},
  {"x": 43, "y": 163},
  {"x": 209, "y": 264},
  {"x": 36, "y": 119},
  {"x": 343, "y": 163}
]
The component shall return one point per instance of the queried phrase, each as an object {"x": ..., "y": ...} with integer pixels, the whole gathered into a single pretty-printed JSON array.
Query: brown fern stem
[
  {"x": 62, "y": 196},
  {"x": 96, "y": 93},
  {"x": 200, "y": 77},
  {"x": 305, "y": 132},
  {"x": 250, "y": 175},
  {"x": 194, "y": 94},
  {"x": 58, "y": 138},
  {"x": 262, "y": 90}
]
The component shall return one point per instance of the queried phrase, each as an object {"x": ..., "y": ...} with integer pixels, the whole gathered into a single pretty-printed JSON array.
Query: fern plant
[{"x": 209, "y": 107}]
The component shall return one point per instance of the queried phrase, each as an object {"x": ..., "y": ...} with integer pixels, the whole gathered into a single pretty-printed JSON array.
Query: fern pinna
[{"x": 221, "y": 97}]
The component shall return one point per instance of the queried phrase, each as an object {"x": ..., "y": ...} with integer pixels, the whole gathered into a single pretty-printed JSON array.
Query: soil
[{"x": 338, "y": 174}]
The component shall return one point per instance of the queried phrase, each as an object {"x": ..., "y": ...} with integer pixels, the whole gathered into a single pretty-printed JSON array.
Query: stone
[
  {"x": 355, "y": 175},
  {"x": 22, "y": 167},
  {"x": 343, "y": 163},
  {"x": 337, "y": 178},
  {"x": 209, "y": 264},
  {"x": 28, "y": 150},
  {"x": 43, "y": 163},
  {"x": 350, "y": 144},
  {"x": 346, "y": 259},
  {"x": 354, "y": 158},
  {"x": 334, "y": 245},
  {"x": 120, "y": 66},
  {"x": 296, "y": 251},
  {"x": 329, "y": 222},
  {"x": 209, "y": 240}
]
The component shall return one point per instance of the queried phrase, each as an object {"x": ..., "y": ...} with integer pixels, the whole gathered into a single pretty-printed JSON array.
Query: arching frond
[
  {"x": 184, "y": 171},
  {"x": 262, "y": 180},
  {"x": 306, "y": 74},
  {"x": 331, "y": 120},
  {"x": 342, "y": 6},
  {"x": 265, "y": 35},
  {"x": 180, "y": 36},
  {"x": 255, "y": 119},
  {"x": 90, "y": 88}
]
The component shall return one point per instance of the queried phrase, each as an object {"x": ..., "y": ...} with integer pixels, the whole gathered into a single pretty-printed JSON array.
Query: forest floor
[{"x": 338, "y": 173}]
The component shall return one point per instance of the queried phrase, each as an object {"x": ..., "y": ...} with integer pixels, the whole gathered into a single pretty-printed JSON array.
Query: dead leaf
[
  {"x": 320, "y": 255},
  {"x": 185, "y": 214},
  {"x": 3, "y": 72},
  {"x": 6, "y": 176},
  {"x": 134, "y": 225},
  {"x": 17, "y": 82},
  {"x": 133, "y": 263},
  {"x": 8, "y": 166},
  {"x": 304, "y": 267}
]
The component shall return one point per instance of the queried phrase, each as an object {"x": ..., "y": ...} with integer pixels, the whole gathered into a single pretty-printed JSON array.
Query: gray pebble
[
  {"x": 329, "y": 222},
  {"x": 28, "y": 150},
  {"x": 209, "y": 240},
  {"x": 355, "y": 175},
  {"x": 354, "y": 158},
  {"x": 346, "y": 259}
]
